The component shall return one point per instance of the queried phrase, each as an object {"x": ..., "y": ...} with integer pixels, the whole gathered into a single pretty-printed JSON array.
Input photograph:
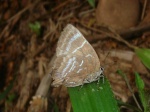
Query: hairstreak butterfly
[{"x": 76, "y": 61}]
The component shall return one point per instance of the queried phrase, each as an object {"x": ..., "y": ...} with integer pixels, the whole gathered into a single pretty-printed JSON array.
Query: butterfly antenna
[
  {"x": 111, "y": 63},
  {"x": 105, "y": 60}
]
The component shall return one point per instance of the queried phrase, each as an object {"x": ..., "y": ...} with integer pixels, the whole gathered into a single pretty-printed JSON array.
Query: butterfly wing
[{"x": 76, "y": 59}]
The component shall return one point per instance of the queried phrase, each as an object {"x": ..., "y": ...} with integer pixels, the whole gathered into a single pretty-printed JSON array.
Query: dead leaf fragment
[{"x": 118, "y": 14}]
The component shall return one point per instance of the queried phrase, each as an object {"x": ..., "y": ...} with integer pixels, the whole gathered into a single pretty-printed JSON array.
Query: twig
[
  {"x": 126, "y": 34},
  {"x": 116, "y": 36},
  {"x": 112, "y": 34},
  {"x": 143, "y": 11},
  {"x": 127, "y": 82},
  {"x": 86, "y": 12},
  {"x": 18, "y": 15},
  {"x": 61, "y": 5},
  {"x": 23, "y": 10}
]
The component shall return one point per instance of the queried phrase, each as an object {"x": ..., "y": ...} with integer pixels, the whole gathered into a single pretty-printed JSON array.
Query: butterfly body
[{"x": 76, "y": 61}]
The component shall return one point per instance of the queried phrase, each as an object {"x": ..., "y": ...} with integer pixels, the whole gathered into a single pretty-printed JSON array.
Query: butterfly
[{"x": 76, "y": 61}]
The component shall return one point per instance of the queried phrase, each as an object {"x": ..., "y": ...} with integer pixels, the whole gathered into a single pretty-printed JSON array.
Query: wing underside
[{"x": 76, "y": 59}]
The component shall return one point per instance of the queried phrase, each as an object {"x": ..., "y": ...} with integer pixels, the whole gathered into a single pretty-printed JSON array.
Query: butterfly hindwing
[{"x": 76, "y": 59}]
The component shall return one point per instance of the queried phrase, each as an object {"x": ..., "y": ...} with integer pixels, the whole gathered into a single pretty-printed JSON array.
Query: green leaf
[
  {"x": 6, "y": 91},
  {"x": 11, "y": 97},
  {"x": 93, "y": 97},
  {"x": 139, "y": 81},
  {"x": 36, "y": 27},
  {"x": 55, "y": 107},
  {"x": 120, "y": 72},
  {"x": 142, "y": 94},
  {"x": 144, "y": 55},
  {"x": 92, "y": 3}
]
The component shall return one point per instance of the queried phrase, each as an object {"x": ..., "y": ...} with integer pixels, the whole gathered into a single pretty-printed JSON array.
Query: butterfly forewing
[{"x": 76, "y": 59}]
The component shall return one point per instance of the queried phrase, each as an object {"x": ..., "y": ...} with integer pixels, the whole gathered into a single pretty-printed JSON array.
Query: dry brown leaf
[{"x": 118, "y": 14}]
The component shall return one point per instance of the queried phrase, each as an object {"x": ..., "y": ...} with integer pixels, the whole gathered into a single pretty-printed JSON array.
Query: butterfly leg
[
  {"x": 85, "y": 80},
  {"x": 81, "y": 87},
  {"x": 102, "y": 76}
]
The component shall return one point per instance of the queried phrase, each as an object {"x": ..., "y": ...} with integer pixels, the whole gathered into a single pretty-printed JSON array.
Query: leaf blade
[
  {"x": 144, "y": 55},
  {"x": 93, "y": 98}
]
